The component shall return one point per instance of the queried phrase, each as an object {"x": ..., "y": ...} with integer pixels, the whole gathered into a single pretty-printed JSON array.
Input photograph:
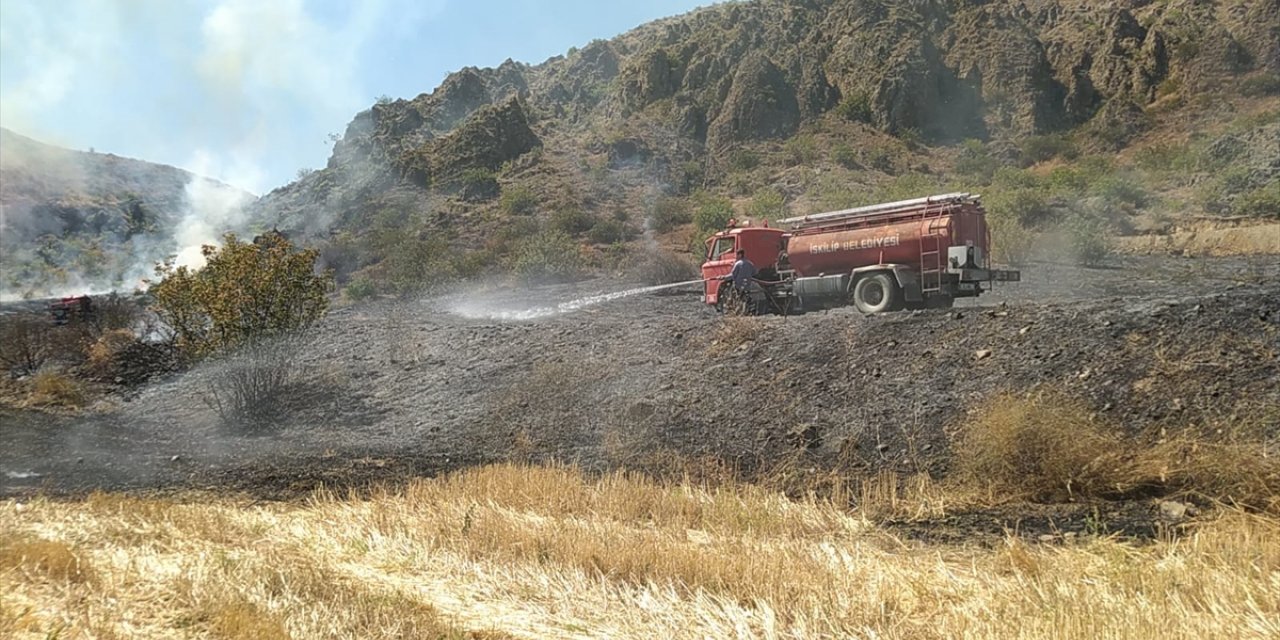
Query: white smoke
[{"x": 211, "y": 208}]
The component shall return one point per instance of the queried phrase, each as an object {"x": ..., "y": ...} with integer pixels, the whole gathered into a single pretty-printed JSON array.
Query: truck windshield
[{"x": 722, "y": 247}]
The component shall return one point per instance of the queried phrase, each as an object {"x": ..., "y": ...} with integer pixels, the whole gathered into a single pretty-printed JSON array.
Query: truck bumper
[{"x": 987, "y": 275}]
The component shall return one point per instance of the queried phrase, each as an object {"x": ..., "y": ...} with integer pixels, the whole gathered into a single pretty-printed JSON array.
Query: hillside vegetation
[
  {"x": 75, "y": 221},
  {"x": 1079, "y": 121}
]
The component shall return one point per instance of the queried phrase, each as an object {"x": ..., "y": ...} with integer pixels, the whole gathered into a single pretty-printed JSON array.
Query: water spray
[{"x": 476, "y": 311}]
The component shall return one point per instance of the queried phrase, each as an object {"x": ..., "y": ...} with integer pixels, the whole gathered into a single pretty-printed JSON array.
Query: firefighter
[
  {"x": 742, "y": 278},
  {"x": 743, "y": 272}
]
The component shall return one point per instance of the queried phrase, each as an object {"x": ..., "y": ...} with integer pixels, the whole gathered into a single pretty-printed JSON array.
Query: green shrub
[
  {"x": 767, "y": 204},
  {"x": 1236, "y": 180},
  {"x": 1259, "y": 203},
  {"x": 1081, "y": 177},
  {"x": 910, "y": 136},
  {"x": 519, "y": 201},
  {"x": 712, "y": 213},
  {"x": 607, "y": 231},
  {"x": 904, "y": 187},
  {"x": 1089, "y": 236},
  {"x": 1011, "y": 243},
  {"x": 476, "y": 176},
  {"x": 1025, "y": 207},
  {"x": 801, "y": 150},
  {"x": 572, "y": 221},
  {"x": 855, "y": 107},
  {"x": 246, "y": 291},
  {"x": 692, "y": 176},
  {"x": 1266, "y": 84},
  {"x": 1010, "y": 178},
  {"x": 1168, "y": 157},
  {"x": 975, "y": 162},
  {"x": 1122, "y": 189},
  {"x": 844, "y": 155},
  {"x": 668, "y": 213},
  {"x": 881, "y": 158},
  {"x": 743, "y": 160},
  {"x": 360, "y": 288},
  {"x": 478, "y": 184},
  {"x": 416, "y": 264},
  {"x": 1047, "y": 147},
  {"x": 1169, "y": 87},
  {"x": 549, "y": 256}
]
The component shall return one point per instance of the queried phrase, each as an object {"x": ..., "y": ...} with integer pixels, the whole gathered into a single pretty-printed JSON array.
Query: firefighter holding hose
[
  {"x": 743, "y": 272},
  {"x": 742, "y": 276}
]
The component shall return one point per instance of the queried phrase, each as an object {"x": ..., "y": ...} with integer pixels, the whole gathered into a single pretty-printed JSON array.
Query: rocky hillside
[
  {"x": 801, "y": 97},
  {"x": 72, "y": 221}
]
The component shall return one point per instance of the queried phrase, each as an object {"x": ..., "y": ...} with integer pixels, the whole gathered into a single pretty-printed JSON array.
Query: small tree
[{"x": 245, "y": 291}]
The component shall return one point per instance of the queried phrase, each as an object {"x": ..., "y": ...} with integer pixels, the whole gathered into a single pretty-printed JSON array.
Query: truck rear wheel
[{"x": 876, "y": 294}]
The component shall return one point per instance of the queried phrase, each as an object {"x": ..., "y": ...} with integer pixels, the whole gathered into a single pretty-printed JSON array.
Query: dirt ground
[{"x": 391, "y": 390}]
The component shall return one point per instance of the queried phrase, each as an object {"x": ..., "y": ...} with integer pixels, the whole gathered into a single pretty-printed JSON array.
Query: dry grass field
[{"x": 534, "y": 552}]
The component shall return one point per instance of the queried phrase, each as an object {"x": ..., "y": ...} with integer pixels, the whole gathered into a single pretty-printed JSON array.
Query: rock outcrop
[{"x": 696, "y": 85}]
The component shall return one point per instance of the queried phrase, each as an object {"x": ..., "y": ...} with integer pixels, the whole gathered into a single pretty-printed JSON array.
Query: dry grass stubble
[
  {"x": 549, "y": 552},
  {"x": 1047, "y": 447}
]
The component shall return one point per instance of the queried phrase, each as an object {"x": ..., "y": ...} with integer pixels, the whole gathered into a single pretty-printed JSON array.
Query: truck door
[{"x": 721, "y": 254}]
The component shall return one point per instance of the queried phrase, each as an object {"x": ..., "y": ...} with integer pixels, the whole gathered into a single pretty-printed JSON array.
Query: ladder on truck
[{"x": 932, "y": 262}]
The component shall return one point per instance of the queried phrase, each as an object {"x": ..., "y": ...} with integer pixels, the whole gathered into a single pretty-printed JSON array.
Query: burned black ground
[{"x": 393, "y": 390}]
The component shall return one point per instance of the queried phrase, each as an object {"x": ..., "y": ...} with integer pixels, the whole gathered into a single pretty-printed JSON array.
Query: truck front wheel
[{"x": 877, "y": 293}]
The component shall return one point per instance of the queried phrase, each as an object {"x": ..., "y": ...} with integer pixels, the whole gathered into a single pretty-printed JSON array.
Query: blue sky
[{"x": 249, "y": 90}]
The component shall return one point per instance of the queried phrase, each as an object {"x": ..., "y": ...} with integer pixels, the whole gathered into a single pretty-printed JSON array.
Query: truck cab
[{"x": 763, "y": 245}]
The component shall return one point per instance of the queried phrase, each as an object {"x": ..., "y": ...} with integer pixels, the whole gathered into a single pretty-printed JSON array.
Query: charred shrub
[
  {"x": 663, "y": 267},
  {"x": 247, "y": 388},
  {"x": 120, "y": 357},
  {"x": 115, "y": 312},
  {"x": 26, "y": 343}
]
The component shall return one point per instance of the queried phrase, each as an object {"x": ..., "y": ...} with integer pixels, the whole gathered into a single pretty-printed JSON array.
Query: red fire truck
[{"x": 916, "y": 253}]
